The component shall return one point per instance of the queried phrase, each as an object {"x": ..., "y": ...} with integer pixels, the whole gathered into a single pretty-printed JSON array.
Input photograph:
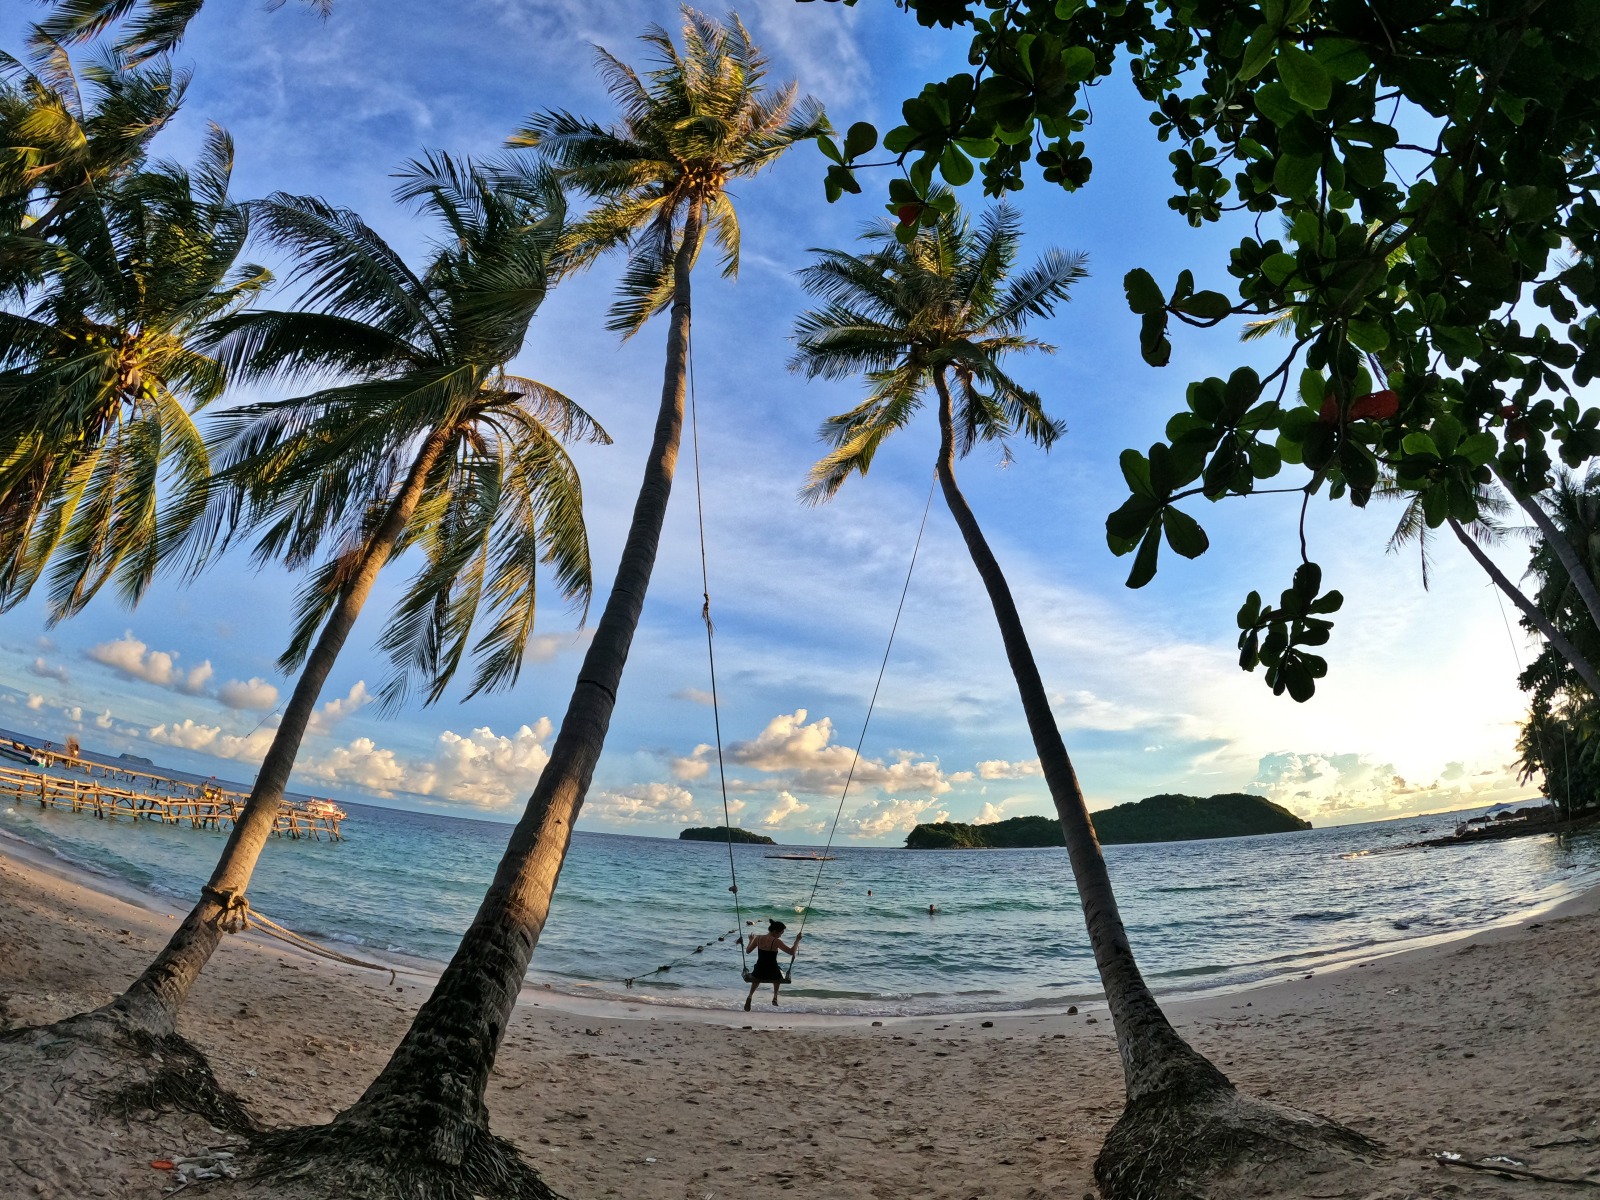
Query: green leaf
[
  {"x": 1144, "y": 563},
  {"x": 1307, "y": 79},
  {"x": 1250, "y": 611},
  {"x": 1184, "y": 534},
  {"x": 1307, "y": 580},
  {"x": 1078, "y": 63},
  {"x": 860, "y": 139},
  {"x": 1208, "y": 306},
  {"x": 1136, "y": 470},
  {"x": 829, "y": 150},
  {"x": 955, "y": 166},
  {"x": 1130, "y": 522},
  {"x": 1154, "y": 346},
  {"x": 1278, "y": 267},
  {"x": 1144, "y": 296},
  {"x": 1275, "y": 104},
  {"x": 1258, "y": 53},
  {"x": 1419, "y": 443},
  {"x": 1368, "y": 336},
  {"x": 1479, "y": 448}
]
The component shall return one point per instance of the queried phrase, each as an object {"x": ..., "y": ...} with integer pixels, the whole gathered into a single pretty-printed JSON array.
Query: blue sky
[{"x": 1418, "y": 712}]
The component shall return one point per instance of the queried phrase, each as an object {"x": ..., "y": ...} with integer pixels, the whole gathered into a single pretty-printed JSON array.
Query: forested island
[
  {"x": 721, "y": 833},
  {"x": 1167, "y": 818}
]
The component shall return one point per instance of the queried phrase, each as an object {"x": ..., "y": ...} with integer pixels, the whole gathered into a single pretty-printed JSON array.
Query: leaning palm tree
[
  {"x": 419, "y": 439},
  {"x": 103, "y": 356},
  {"x": 153, "y": 27},
  {"x": 942, "y": 313},
  {"x": 696, "y": 122}
]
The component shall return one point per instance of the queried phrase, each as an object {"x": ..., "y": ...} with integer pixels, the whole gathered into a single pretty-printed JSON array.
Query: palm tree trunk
[
  {"x": 1582, "y": 582},
  {"x": 431, "y": 1091},
  {"x": 153, "y": 1001},
  {"x": 1529, "y": 609},
  {"x": 1155, "y": 1060}
]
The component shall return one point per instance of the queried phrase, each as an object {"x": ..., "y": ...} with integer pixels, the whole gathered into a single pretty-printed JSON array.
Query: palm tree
[
  {"x": 103, "y": 355},
  {"x": 63, "y": 138},
  {"x": 421, "y": 440},
  {"x": 154, "y": 26},
  {"x": 942, "y": 312},
  {"x": 698, "y": 121}
]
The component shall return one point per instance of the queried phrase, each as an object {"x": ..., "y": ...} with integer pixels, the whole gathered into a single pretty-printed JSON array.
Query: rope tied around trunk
[{"x": 237, "y": 916}]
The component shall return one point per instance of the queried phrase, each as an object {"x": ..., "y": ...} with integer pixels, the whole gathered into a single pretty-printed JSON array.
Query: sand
[{"x": 1484, "y": 1045}]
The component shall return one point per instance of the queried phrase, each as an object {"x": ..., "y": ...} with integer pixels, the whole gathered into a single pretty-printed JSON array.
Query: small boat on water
[
  {"x": 805, "y": 857},
  {"x": 22, "y": 753},
  {"x": 325, "y": 808}
]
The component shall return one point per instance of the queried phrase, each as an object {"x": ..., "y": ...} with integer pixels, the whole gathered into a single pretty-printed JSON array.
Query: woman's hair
[{"x": 776, "y": 927}]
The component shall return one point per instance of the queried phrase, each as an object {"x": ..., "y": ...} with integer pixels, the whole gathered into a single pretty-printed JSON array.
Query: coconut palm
[
  {"x": 699, "y": 120},
  {"x": 65, "y": 134},
  {"x": 103, "y": 355},
  {"x": 421, "y": 440},
  {"x": 154, "y": 27},
  {"x": 942, "y": 313}
]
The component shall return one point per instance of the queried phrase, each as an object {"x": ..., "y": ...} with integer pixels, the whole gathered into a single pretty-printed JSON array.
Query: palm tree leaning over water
[
  {"x": 698, "y": 121},
  {"x": 104, "y": 353},
  {"x": 941, "y": 312},
  {"x": 421, "y": 441}
]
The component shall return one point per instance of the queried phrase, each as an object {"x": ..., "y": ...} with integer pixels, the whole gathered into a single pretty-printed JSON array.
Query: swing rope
[
  {"x": 861, "y": 741},
  {"x": 711, "y": 656}
]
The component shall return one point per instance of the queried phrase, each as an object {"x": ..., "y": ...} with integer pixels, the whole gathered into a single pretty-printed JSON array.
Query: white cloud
[
  {"x": 998, "y": 768},
  {"x": 1348, "y": 787},
  {"x": 103, "y": 721},
  {"x": 782, "y": 809},
  {"x": 253, "y": 693},
  {"x": 209, "y": 739},
  {"x": 645, "y": 803},
  {"x": 336, "y": 710},
  {"x": 130, "y": 657},
  {"x": 482, "y": 769},
  {"x": 35, "y": 701},
  {"x": 73, "y": 714},
  {"x": 693, "y": 696},
  {"x": 880, "y": 818},
  {"x": 807, "y": 760},
  {"x": 44, "y": 670}
]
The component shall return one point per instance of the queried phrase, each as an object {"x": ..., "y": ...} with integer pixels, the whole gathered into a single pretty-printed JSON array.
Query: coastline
[{"x": 1481, "y": 1044}]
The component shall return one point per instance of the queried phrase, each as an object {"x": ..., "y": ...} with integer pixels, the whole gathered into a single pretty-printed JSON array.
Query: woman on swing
[{"x": 766, "y": 945}]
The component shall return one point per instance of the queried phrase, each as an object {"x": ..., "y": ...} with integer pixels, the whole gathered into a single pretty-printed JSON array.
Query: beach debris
[
  {"x": 162, "y": 1164},
  {"x": 1501, "y": 1165},
  {"x": 1091, "y": 1020},
  {"x": 988, "y": 1024},
  {"x": 1072, "y": 1010},
  {"x": 198, "y": 1168}
]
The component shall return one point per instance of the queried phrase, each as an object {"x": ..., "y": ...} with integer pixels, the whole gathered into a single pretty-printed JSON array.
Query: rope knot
[{"x": 235, "y": 915}]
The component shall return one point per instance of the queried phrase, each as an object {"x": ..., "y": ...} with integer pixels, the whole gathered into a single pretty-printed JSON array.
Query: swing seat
[{"x": 749, "y": 977}]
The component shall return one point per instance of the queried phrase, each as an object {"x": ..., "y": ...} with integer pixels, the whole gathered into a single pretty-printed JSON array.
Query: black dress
[{"x": 767, "y": 968}]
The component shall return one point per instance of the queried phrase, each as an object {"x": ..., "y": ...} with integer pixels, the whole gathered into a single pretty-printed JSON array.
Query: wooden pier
[{"x": 205, "y": 807}]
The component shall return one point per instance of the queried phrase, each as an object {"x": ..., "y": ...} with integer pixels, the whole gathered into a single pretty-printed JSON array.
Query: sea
[{"x": 1006, "y": 931}]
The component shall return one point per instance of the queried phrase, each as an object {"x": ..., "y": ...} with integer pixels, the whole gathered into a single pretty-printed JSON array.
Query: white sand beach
[{"x": 1480, "y": 1046}]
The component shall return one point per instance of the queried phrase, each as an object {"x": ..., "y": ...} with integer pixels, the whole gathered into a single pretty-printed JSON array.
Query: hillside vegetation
[{"x": 1167, "y": 818}]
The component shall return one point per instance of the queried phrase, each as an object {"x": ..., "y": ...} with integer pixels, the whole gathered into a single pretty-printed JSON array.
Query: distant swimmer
[{"x": 932, "y": 910}]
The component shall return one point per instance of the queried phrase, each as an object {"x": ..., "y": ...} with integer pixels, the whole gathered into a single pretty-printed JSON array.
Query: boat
[
  {"x": 325, "y": 808},
  {"x": 18, "y": 752},
  {"x": 805, "y": 857}
]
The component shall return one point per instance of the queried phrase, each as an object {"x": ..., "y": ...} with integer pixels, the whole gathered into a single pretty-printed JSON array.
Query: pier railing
[{"x": 208, "y": 808}]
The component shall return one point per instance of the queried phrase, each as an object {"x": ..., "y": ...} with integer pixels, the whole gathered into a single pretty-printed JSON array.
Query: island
[
  {"x": 1166, "y": 818},
  {"x": 721, "y": 833}
]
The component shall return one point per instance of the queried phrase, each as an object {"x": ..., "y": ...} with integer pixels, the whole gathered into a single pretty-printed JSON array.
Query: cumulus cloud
[
  {"x": 35, "y": 701},
  {"x": 189, "y": 734},
  {"x": 1348, "y": 787},
  {"x": 645, "y": 803},
  {"x": 336, "y": 710},
  {"x": 44, "y": 670},
  {"x": 785, "y": 807},
  {"x": 253, "y": 693},
  {"x": 103, "y": 721},
  {"x": 73, "y": 714},
  {"x": 807, "y": 760},
  {"x": 880, "y": 818},
  {"x": 130, "y": 657},
  {"x": 482, "y": 769},
  {"x": 998, "y": 768}
]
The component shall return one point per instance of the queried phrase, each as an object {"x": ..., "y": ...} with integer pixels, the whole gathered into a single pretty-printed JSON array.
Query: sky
[{"x": 1419, "y": 709}]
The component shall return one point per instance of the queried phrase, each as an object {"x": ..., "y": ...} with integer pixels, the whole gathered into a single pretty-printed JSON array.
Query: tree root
[
  {"x": 150, "y": 1073},
  {"x": 1221, "y": 1145},
  {"x": 361, "y": 1161}
]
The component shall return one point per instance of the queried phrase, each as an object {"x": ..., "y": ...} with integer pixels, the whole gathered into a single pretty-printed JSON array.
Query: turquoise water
[{"x": 1007, "y": 934}]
